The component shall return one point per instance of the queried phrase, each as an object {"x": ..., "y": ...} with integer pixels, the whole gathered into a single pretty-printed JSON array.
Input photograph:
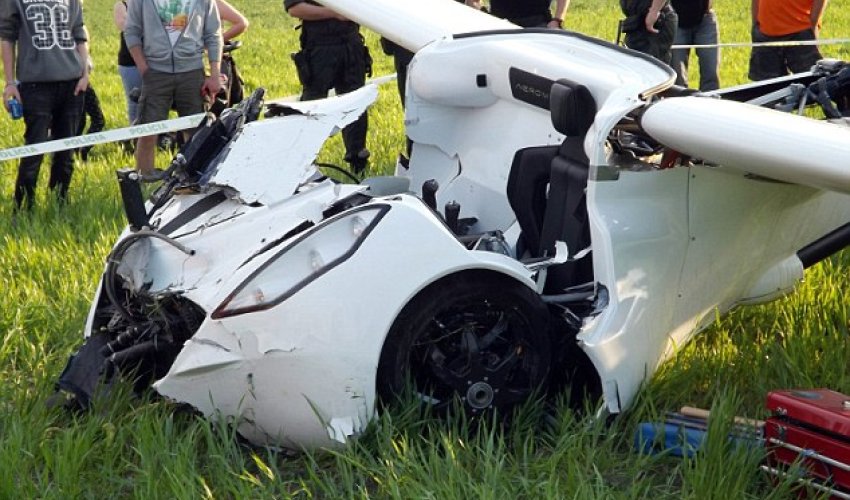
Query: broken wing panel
[{"x": 272, "y": 157}]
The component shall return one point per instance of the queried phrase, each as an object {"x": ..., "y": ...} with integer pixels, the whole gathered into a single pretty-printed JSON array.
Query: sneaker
[{"x": 157, "y": 175}]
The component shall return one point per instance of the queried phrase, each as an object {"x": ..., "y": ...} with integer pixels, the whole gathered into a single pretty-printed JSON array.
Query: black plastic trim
[
  {"x": 201, "y": 207},
  {"x": 530, "y": 88},
  {"x": 820, "y": 249}
]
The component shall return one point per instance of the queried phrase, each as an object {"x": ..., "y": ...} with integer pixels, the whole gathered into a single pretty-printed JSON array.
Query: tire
[{"x": 479, "y": 339}]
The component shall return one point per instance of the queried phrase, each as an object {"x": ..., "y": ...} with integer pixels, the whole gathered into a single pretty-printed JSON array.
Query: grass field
[{"x": 51, "y": 260}]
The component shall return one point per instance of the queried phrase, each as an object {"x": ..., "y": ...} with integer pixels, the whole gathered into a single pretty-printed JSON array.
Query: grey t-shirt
[{"x": 46, "y": 33}]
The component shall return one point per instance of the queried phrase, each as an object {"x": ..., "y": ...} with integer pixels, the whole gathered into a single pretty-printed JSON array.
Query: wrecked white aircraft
[{"x": 567, "y": 217}]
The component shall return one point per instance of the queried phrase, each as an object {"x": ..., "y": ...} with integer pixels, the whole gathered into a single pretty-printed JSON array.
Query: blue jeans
[
  {"x": 131, "y": 79},
  {"x": 51, "y": 111},
  {"x": 704, "y": 33}
]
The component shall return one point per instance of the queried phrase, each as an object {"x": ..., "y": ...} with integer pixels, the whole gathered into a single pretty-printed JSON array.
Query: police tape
[
  {"x": 136, "y": 131},
  {"x": 778, "y": 43},
  {"x": 119, "y": 134}
]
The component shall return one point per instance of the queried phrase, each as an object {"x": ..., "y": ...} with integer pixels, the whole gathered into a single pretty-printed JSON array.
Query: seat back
[
  {"x": 528, "y": 184},
  {"x": 546, "y": 187}
]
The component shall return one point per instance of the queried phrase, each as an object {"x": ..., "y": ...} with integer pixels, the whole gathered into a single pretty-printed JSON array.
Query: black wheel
[{"x": 481, "y": 340}]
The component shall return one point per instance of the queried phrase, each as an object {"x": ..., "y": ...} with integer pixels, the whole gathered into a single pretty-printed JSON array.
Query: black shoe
[{"x": 359, "y": 162}]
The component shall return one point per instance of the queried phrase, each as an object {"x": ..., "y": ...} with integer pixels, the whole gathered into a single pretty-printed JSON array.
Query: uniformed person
[
  {"x": 528, "y": 13},
  {"x": 333, "y": 55},
  {"x": 650, "y": 27}
]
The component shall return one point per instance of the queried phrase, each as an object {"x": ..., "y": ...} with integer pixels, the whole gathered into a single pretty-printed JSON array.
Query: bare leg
[{"x": 145, "y": 151}]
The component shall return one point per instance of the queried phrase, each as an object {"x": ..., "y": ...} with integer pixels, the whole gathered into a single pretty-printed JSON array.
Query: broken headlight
[{"x": 297, "y": 264}]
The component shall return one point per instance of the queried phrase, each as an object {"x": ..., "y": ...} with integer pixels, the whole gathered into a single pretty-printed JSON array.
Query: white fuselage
[{"x": 671, "y": 246}]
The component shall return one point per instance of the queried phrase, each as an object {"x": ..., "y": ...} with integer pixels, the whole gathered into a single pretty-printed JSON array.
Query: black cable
[{"x": 340, "y": 170}]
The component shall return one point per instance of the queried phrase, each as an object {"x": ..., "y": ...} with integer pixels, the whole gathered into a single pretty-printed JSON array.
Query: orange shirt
[{"x": 783, "y": 17}]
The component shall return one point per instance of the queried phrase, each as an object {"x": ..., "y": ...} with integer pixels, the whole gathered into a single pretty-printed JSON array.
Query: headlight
[{"x": 311, "y": 255}]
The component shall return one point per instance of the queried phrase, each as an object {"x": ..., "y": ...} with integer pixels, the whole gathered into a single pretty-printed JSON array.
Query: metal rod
[
  {"x": 809, "y": 453},
  {"x": 814, "y": 484}
]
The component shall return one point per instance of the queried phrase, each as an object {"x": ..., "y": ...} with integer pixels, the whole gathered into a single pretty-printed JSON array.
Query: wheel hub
[{"x": 480, "y": 395}]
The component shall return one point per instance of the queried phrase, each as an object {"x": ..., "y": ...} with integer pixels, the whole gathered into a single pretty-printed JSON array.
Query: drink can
[{"x": 15, "y": 108}]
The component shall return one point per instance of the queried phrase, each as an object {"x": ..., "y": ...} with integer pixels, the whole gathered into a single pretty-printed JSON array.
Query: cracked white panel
[
  {"x": 272, "y": 157},
  {"x": 342, "y": 428},
  {"x": 134, "y": 264}
]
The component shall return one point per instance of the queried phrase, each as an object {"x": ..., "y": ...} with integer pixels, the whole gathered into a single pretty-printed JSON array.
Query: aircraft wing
[
  {"x": 413, "y": 24},
  {"x": 781, "y": 146}
]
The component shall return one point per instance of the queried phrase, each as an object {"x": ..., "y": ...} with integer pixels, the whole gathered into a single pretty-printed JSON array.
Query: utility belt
[
  {"x": 354, "y": 43},
  {"x": 310, "y": 40}
]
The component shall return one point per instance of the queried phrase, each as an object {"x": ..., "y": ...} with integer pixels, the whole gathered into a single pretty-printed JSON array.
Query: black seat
[{"x": 546, "y": 188}]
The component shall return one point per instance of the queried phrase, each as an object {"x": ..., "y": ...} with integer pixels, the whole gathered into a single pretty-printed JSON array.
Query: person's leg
[
  {"x": 187, "y": 95},
  {"x": 679, "y": 60},
  {"x": 639, "y": 41},
  {"x": 401, "y": 59},
  {"x": 187, "y": 92},
  {"x": 36, "y": 101},
  {"x": 130, "y": 79},
  {"x": 97, "y": 122},
  {"x": 154, "y": 104},
  {"x": 67, "y": 114},
  {"x": 707, "y": 33},
  {"x": 801, "y": 58},
  {"x": 765, "y": 62},
  {"x": 322, "y": 62},
  {"x": 353, "y": 77},
  {"x": 666, "y": 33},
  {"x": 95, "y": 112}
]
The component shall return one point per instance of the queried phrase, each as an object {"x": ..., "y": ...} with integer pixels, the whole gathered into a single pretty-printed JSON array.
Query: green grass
[{"x": 125, "y": 448}]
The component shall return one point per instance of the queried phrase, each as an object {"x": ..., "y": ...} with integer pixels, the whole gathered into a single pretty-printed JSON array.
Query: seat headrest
[{"x": 572, "y": 107}]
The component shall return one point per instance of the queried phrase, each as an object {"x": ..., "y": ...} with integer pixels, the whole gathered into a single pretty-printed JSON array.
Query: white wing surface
[
  {"x": 413, "y": 24},
  {"x": 769, "y": 143}
]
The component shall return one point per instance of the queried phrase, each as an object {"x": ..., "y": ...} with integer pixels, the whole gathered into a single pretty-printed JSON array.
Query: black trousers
[
  {"x": 341, "y": 67},
  {"x": 51, "y": 111},
  {"x": 97, "y": 122},
  {"x": 658, "y": 45}
]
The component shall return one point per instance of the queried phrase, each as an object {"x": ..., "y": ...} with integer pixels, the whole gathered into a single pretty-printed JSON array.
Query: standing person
[
  {"x": 167, "y": 39},
  {"x": 130, "y": 76},
  {"x": 697, "y": 26},
  {"x": 650, "y": 27},
  {"x": 784, "y": 21},
  {"x": 49, "y": 79},
  {"x": 333, "y": 55},
  {"x": 236, "y": 24},
  {"x": 528, "y": 13}
]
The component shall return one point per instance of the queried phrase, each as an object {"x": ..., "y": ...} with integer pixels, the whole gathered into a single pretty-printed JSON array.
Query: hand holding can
[{"x": 15, "y": 108}]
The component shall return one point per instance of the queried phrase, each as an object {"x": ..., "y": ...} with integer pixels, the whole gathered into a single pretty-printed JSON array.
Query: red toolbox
[{"x": 811, "y": 428}]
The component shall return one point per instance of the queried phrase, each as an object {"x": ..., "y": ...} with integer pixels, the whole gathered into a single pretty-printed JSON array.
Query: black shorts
[{"x": 772, "y": 62}]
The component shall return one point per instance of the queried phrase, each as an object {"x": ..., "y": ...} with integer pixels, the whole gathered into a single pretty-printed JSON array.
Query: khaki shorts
[{"x": 162, "y": 92}]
